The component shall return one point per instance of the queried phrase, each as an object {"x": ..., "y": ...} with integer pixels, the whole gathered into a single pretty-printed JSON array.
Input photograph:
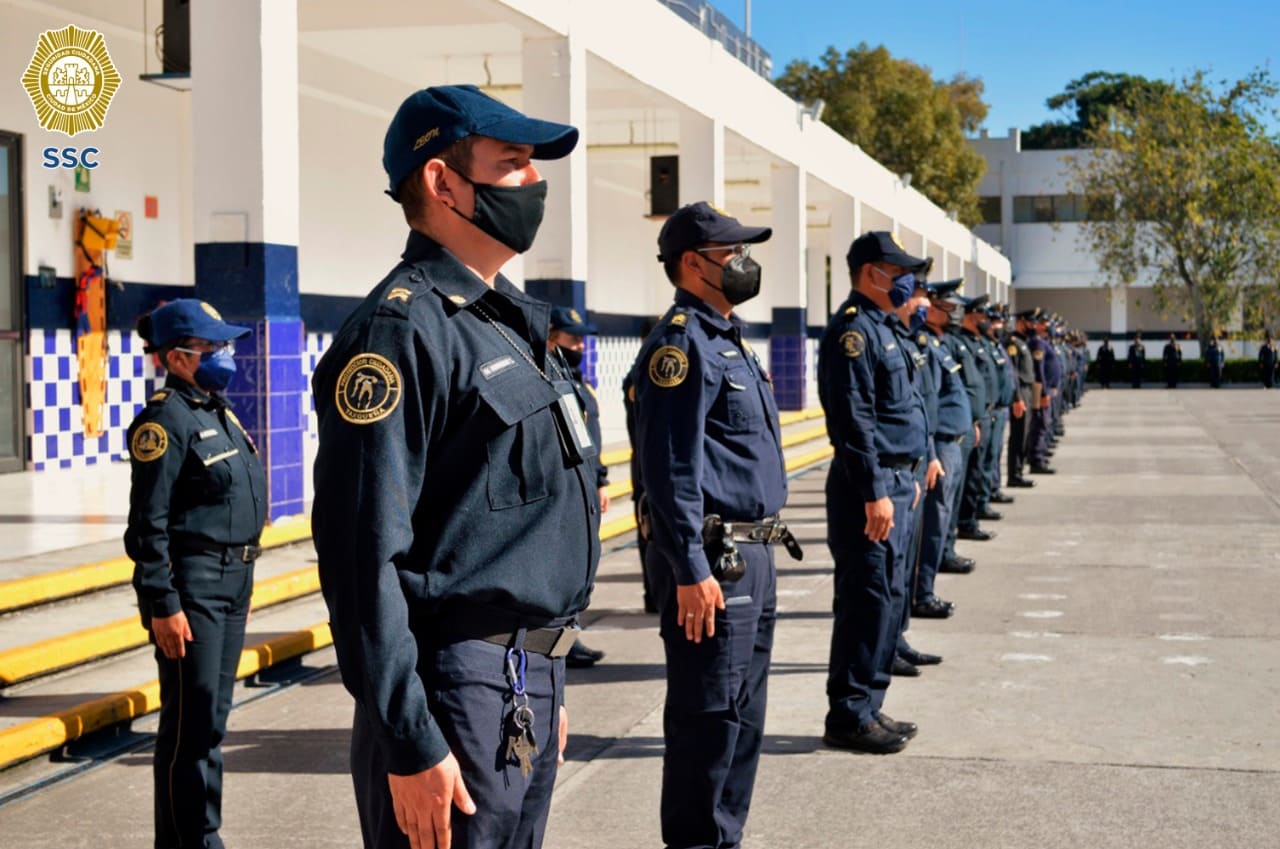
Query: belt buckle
[{"x": 564, "y": 642}]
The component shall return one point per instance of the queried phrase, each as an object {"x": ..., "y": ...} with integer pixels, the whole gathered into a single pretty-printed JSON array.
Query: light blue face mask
[{"x": 216, "y": 369}]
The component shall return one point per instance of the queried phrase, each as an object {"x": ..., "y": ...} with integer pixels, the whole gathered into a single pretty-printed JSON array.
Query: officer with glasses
[{"x": 196, "y": 508}]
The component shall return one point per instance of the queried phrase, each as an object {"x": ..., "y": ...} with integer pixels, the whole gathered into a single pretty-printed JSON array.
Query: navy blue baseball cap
[
  {"x": 571, "y": 321},
  {"x": 432, "y": 119},
  {"x": 975, "y": 304},
  {"x": 700, "y": 223},
  {"x": 883, "y": 246},
  {"x": 190, "y": 318},
  {"x": 944, "y": 287}
]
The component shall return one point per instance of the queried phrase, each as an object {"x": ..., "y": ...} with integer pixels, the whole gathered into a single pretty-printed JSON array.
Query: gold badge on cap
[
  {"x": 573, "y": 316},
  {"x": 368, "y": 390},
  {"x": 210, "y": 311},
  {"x": 668, "y": 367},
  {"x": 853, "y": 344},
  {"x": 149, "y": 442}
]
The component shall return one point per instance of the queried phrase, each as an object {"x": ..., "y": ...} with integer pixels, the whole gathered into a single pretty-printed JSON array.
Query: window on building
[
  {"x": 1048, "y": 209},
  {"x": 989, "y": 207}
]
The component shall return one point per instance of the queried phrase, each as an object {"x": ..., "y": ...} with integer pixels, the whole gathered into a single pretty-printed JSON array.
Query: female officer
[{"x": 196, "y": 508}]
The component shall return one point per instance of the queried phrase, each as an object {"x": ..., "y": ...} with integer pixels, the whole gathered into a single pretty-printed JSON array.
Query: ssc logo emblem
[
  {"x": 71, "y": 80},
  {"x": 368, "y": 390},
  {"x": 149, "y": 443},
  {"x": 668, "y": 367},
  {"x": 853, "y": 344}
]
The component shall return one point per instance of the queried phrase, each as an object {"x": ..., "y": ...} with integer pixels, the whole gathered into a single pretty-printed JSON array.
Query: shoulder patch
[
  {"x": 149, "y": 442},
  {"x": 1013, "y": 350},
  {"x": 1038, "y": 355},
  {"x": 400, "y": 294},
  {"x": 368, "y": 390},
  {"x": 680, "y": 319},
  {"x": 668, "y": 367},
  {"x": 853, "y": 344}
]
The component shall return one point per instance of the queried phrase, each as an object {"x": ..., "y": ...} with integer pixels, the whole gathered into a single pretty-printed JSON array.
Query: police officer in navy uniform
[
  {"x": 1172, "y": 356},
  {"x": 456, "y": 514},
  {"x": 568, "y": 332},
  {"x": 196, "y": 509},
  {"x": 1137, "y": 359},
  {"x": 876, "y": 422},
  {"x": 1021, "y": 410},
  {"x": 1106, "y": 362},
  {"x": 972, "y": 341},
  {"x": 1214, "y": 360},
  {"x": 1267, "y": 361},
  {"x": 710, "y": 452}
]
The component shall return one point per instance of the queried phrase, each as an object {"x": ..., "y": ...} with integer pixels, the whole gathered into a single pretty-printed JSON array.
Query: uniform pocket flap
[{"x": 513, "y": 396}]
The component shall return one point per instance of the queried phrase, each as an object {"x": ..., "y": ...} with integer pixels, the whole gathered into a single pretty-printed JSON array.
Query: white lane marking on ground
[
  {"x": 794, "y": 592},
  {"x": 1179, "y": 582},
  {"x": 1013, "y": 685},
  {"x": 1041, "y": 614},
  {"x": 1173, "y": 599},
  {"x": 1042, "y": 596},
  {"x": 1053, "y": 554},
  {"x": 1184, "y": 638},
  {"x": 1035, "y": 635},
  {"x": 1182, "y": 617},
  {"x": 1028, "y": 658},
  {"x": 1187, "y": 660},
  {"x": 1049, "y": 579},
  {"x": 1068, "y": 542}
]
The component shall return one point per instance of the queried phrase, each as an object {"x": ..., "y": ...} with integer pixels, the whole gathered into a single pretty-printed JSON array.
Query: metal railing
[{"x": 713, "y": 24}]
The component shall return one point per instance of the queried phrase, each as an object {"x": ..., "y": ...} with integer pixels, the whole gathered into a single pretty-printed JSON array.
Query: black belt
[
  {"x": 901, "y": 463},
  {"x": 942, "y": 437},
  {"x": 494, "y": 625},
  {"x": 552, "y": 642},
  {"x": 246, "y": 553}
]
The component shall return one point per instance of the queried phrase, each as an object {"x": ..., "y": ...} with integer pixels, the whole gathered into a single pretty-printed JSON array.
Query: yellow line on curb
[
  {"x": 77, "y": 580},
  {"x": 31, "y": 661},
  {"x": 47, "y": 733}
]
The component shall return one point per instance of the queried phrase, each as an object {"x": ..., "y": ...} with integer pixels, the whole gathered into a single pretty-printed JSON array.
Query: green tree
[
  {"x": 902, "y": 117},
  {"x": 1092, "y": 99},
  {"x": 1189, "y": 176}
]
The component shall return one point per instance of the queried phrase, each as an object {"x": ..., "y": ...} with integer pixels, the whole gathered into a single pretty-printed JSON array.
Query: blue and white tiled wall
[{"x": 55, "y": 421}]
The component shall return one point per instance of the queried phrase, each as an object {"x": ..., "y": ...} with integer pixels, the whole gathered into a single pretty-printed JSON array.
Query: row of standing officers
[{"x": 1215, "y": 360}]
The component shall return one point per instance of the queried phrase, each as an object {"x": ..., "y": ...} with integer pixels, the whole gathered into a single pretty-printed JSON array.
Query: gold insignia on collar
[
  {"x": 853, "y": 344},
  {"x": 679, "y": 320},
  {"x": 368, "y": 389},
  {"x": 668, "y": 367},
  {"x": 400, "y": 294},
  {"x": 850, "y": 310},
  {"x": 1038, "y": 355},
  {"x": 1013, "y": 350},
  {"x": 458, "y": 299},
  {"x": 159, "y": 396},
  {"x": 922, "y": 339},
  {"x": 148, "y": 443}
]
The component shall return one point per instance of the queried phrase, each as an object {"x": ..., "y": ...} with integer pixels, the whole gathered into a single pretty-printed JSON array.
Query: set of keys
[{"x": 522, "y": 745}]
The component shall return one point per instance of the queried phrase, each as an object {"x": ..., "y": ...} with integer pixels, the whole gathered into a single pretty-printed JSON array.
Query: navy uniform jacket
[
  {"x": 1023, "y": 367},
  {"x": 591, "y": 415},
  {"x": 872, "y": 401},
  {"x": 197, "y": 484},
  {"x": 441, "y": 487},
  {"x": 1172, "y": 354},
  {"x": 1215, "y": 355},
  {"x": 707, "y": 432},
  {"x": 1052, "y": 366},
  {"x": 1137, "y": 353},
  {"x": 1004, "y": 374},
  {"x": 955, "y": 416},
  {"x": 975, "y": 383},
  {"x": 1267, "y": 354},
  {"x": 1106, "y": 356},
  {"x": 930, "y": 369}
]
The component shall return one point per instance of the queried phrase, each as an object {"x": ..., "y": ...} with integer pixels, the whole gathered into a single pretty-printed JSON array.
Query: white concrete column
[
  {"x": 701, "y": 159},
  {"x": 816, "y": 280},
  {"x": 846, "y": 225},
  {"x": 244, "y": 119},
  {"x": 554, "y": 80},
  {"x": 1119, "y": 310},
  {"x": 790, "y": 231}
]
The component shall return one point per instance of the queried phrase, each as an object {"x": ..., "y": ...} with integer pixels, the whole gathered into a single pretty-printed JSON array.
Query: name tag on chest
[{"x": 571, "y": 425}]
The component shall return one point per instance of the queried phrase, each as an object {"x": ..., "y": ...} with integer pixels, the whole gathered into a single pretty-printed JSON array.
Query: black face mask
[
  {"x": 510, "y": 214},
  {"x": 984, "y": 326},
  {"x": 572, "y": 358},
  {"x": 739, "y": 280}
]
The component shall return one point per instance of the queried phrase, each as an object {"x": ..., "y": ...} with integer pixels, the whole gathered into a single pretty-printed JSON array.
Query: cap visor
[
  {"x": 902, "y": 259},
  {"x": 549, "y": 139},
  {"x": 219, "y": 331},
  {"x": 735, "y": 233}
]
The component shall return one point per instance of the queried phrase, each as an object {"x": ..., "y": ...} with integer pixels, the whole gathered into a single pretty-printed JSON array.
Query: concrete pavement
[{"x": 1110, "y": 679}]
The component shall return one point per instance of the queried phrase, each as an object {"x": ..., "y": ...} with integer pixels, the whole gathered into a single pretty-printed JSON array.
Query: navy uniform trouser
[
  {"x": 1268, "y": 376},
  {"x": 1038, "y": 437},
  {"x": 967, "y": 449},
  {"x": 195, "y": 699},
  {"x": 713, "y": 720},
  {"x": 913, "y": 559},
  {"x": 1135, "y": 375},
  {"x": 935, "y": 515},
  {"x": 976, "y": 484},
  {"x": 469, "y": 697},
  {"x": 869, "y": 597},
  {"x": 1017, "y": 454},
  {"x": 991, "y": 456}
]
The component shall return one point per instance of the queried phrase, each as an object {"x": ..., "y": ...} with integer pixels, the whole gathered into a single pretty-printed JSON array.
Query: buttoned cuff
[
  {"x": 690, "y": 565},
  {"x": 166, "y": 605},
  {"x": 416, "y": 754}
]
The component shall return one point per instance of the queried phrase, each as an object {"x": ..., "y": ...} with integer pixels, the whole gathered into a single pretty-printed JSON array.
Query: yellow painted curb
[
  {"x": 618, "y": 456},
  {"x": 47, "y": 733},
  {"x": 41, "y": 658},
  {"x": 77, "y": 580}
]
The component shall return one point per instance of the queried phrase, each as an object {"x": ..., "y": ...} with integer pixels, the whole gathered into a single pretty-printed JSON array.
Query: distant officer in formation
[
  {"x": 1106, "y": 362},
  {"x": 1022, "y": 410},
  {"x": 870, "y": 390},
  {"x": 456, "y": 512},
  {"x": 1137, "y": 360},
  {"x": 976, "y": 356},
  {"x": 1008, "y": 389},
  {"x": 196, "y": 508},
  {"x": 568, "y": 332},
  {"x": 1172, "y": 362},
  {"x": 709, "y": 447},
  {"x": 1267, "y": 356},
  {"x": 1034, "y": 323},
  {"x": 1214, "y": 361}
]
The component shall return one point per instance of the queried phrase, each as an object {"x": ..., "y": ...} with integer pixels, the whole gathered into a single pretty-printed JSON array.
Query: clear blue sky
[{"x": 1026, "y": 51}]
